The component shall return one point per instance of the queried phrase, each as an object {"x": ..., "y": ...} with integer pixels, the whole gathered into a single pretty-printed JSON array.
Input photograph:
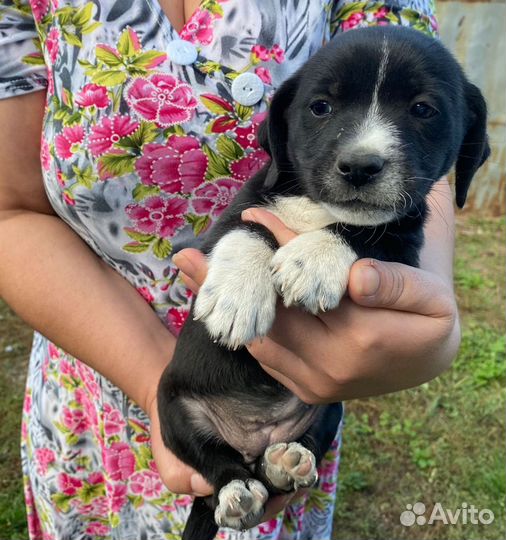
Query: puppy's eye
[
  {"x": 321, "y": 108},
  {"x": 423, "y": 110}
]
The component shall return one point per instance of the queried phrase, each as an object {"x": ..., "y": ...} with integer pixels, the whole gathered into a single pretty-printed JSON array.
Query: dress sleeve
[
  {"x": 418, "y": 14},
  {"x": 22, "y": 67}
]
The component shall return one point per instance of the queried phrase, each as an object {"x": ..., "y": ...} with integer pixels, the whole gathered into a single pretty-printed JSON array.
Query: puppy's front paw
[
  {"x": 241, "y": 504},
  {"x": 312, "y": 270},
  {"x": 237, "y": 300},
  {"x": 289, "y": 466}
]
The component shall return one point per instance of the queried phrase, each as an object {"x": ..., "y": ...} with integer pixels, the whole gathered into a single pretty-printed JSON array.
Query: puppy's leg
[
  {"x": 238, "y": 500},
  {"x": 290, "y": 466},
  {"x": 237, "y": 300},
  {"x": 312, "y": 270}
]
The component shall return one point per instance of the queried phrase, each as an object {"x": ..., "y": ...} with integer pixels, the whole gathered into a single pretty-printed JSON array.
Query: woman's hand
[
  {"x": 398, "y": 328},
  {"x": 176, "y": 475}
]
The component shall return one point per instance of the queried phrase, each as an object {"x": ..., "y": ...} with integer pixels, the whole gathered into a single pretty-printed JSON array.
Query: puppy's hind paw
[
  {"x": 241, "y": 504},
  {"x": 289, "y": 466}
]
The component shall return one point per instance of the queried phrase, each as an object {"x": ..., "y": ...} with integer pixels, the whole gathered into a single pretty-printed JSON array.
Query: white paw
[
  {"x": 289, "y": 466},
  {"x": 241, "y": 504},
  {"x": 312, "y": 270},
  {"x": 237, "y": 301}
]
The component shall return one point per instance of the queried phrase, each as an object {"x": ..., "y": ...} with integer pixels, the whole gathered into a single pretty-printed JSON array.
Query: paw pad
[
  {"x": 241, "y": 504},
  {"x": 289, "y": 466}
]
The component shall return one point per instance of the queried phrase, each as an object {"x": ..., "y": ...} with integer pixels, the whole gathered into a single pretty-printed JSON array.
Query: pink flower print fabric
[
  {"x": 176, "y": 167},
  {"x": 147, "y": 484},
  {"x": 119, "y": 461},
  {"x": 163, "y": 217},
  {"x": 161, "y": 99},
  {"x": 212, "y": 199},
  {"x": 200, "y": 28},
  {"x": 93, "y": 95},
  {"x": 140, "y": 156},
  {"x": 68, "y": 141},
  {"x": 105, "y": 134}
]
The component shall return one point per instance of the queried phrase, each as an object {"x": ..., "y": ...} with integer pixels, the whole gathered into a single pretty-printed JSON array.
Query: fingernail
[
  {"x": 184, "y": 264},
  {"x": 199, "y": 486},
  {"x": 248, "y": 215},
  {"x": 369, "y": 280}
]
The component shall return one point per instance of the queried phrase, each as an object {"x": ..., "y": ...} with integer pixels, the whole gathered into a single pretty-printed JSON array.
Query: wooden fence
[{"x": 475, "y": 31}]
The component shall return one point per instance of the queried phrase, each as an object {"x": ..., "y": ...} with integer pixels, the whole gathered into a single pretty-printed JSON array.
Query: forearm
[
  {"x": 437, "y": 253},
  {"x": 55, "y": 283}
]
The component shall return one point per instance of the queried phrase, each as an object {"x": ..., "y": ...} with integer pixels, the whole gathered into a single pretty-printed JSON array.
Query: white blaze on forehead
[
  {"x": 376, "y": 134},
  {"x": 382, "y": 71}
]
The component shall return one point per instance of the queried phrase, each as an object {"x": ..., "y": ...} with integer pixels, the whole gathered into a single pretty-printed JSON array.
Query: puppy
[{"x": 357, "y": 138}]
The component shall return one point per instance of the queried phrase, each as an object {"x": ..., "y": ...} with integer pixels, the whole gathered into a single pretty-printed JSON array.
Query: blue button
[
  {"x": 248, "y": 89},
  {"x": 182, "y": 52}
]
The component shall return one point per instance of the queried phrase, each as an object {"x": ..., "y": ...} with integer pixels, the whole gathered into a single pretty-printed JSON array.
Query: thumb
[{"x": 397, "y": 286}]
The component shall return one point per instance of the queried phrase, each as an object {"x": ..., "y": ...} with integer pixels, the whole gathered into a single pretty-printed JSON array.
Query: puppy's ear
[
  {"x": 474, "y": 149},
  {"x": 273, "y": 133}
]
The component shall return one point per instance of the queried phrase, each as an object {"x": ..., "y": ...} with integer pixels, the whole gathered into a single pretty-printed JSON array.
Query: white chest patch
[{"x": 301, "y": 214}]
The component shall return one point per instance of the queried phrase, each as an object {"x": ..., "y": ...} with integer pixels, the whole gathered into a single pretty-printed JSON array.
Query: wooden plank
[{"x": 474, "y": 32}]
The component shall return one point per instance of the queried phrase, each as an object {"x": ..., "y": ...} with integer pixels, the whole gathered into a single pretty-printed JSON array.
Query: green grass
[
  {"x": 442, "y": 442},
  {"x": 15, "y": 340}
]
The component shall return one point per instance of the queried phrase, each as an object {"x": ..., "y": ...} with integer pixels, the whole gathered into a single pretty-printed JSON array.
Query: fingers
[
  {"x": 176, "y": 475},
  {"x": 180, "y": 478},
  {"x": 190, "y": 284},
  {"x": 193, "y": 266},
  {"x": 258, "y": 215},
  {"x": 399, "y": 287}
]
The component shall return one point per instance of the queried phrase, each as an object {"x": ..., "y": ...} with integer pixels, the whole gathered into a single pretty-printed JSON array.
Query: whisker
[
  {"x": 381, "y": 235},
  {"x": 437, "y": 207}
]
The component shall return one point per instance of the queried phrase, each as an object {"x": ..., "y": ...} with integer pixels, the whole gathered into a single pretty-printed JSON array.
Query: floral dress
[{"x": 146, "y": 139}]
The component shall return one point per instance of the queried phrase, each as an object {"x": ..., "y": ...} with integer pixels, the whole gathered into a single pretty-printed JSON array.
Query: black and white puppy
[{"x": 357, "y": 137}]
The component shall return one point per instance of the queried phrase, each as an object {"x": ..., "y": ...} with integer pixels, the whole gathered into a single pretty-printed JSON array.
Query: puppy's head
[{"x": 372, "y": 121}]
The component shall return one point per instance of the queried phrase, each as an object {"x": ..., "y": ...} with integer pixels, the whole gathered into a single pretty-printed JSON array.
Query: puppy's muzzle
[{"x": 360, "y": 169}]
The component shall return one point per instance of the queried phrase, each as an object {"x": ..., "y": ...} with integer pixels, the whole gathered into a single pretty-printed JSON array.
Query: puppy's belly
[{"x": 248, "y": 426}]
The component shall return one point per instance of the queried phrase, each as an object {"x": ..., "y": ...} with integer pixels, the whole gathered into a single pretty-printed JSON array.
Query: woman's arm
[
  {"x": 398, "y": 329},
  {"x": 58, "y": 286},
  {"x": 53, "y": 280}
]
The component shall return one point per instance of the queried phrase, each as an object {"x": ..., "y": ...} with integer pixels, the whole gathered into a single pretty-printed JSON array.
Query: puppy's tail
[{"x": 200, "y": 524}]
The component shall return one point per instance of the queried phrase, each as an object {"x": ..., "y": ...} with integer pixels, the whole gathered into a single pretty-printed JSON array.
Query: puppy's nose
[{"x": 359, "y": 170}]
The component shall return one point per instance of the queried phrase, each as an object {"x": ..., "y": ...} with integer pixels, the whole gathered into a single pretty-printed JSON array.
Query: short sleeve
[
  {"x": 417, "y": 14},
  {"x": 22, "y": 67}
]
